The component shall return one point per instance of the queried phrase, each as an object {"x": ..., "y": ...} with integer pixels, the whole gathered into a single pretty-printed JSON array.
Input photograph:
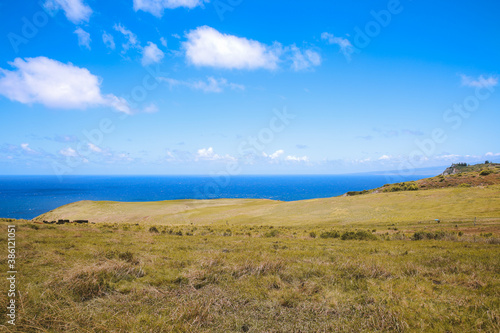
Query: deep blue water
[{"x": 29, "y": 196}]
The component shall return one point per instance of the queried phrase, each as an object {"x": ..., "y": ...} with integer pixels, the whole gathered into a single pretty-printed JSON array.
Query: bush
[
  {"x": 351, "y": 193},
  {"x": 272, "y": 233},
  {"x": 153, "y": 229},
  {"x": 409, "y": 186},
  {"x": 485, "y": 172},
  {"x": 420, "y": 235},
  {"x": 329, "y": 234},
  {"x": 312, "y": 234},
  {"x": 465, "y": 185},
  {"x": 358, "y": 235}
]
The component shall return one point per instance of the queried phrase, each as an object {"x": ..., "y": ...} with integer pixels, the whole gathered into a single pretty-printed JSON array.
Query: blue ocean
[{"x": 29, "y": 196}]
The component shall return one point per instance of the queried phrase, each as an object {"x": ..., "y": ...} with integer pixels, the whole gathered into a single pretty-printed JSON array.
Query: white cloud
[
  {"x": 151, "y": 108},
  {"x": 56, "y": 85},
  {"x": 345, "y": 45},
  {"x": 83, "y": 38},
  {"x": 384, "y": 157},
  {"x": 163, "y": 41},
  {"x": 274, "y": 155},
  {"x": 68, "y": 152},
  {"x": 75, "y": 10},
  {"x": 480, "y": 82},
  {"x": 25, "y": 147},
  {"x": 297, "y": 159},
  {"x": 304, "y": 59},
  {"x": 211, "y": 85},
  {"x": 209, "y": 154},
  {"x": 448, "y": 157},
  {"x": 132, "y": 40},
  {"x": 108, "y": 40},
  {"x": 206, "y": 46},
  {"x": 94, "y": 148},
  {"x": 492, "y": 154},
  {"x": 151, "y": 54},
  {"x": 156, "y": 7}
]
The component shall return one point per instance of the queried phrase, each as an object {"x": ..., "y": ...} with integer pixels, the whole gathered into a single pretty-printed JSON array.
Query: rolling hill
[{"x": 462, "y": 195}]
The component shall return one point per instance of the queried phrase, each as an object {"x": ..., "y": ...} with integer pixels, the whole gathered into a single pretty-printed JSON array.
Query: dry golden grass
[
  {"x": 450, "y": 204},
  {"x": 125, "y": 278}
]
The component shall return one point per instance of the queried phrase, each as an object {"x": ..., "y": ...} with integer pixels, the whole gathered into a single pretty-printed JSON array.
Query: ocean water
[{"x": 29, "y": 196}]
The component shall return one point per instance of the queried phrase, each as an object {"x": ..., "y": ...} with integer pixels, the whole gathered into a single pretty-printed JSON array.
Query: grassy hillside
[
  {"x": 458, "y": 175},
  {"x": 378, "y": 262},
  {"x": 120, "y": 277},
  {"x": 449, "y": 204}
]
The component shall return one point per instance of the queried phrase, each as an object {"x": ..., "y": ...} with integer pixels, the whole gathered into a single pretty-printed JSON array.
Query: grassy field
[
  {"x": 400, "y": 208},
  {"x": 378, "y": 262},
  {"x": 112, "y": 277}
]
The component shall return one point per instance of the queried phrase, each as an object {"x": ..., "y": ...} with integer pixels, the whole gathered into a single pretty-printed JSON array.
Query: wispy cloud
[
  {"x": 210, "y": 85},
  {"x": 208, "y": 154},
  {"x": 297, "y": 158},
  {"x": 68, "y": 152},
  {"x": 157, "y": 7},
  {"x": 26, "y": 147},
  {"x": 480, "y": 82},
  {"x": 304, "y": 59},
  {"x": 274, "y": 155},
  {"x": 151, "y": 54},
  {"x": 83, "y": 38},
  {"x": 132, "y": 41},
  {"x": 108, "y": 40},
  {"x": 345, "y": 45},
  {"x": 75, "y": 10}
]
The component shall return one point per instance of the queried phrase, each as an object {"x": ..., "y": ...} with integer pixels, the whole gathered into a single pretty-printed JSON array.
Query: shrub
[
  {"x": 465, "y": 185},
  {"x": 272, "y": 233},
  {"x": 485, "y": 172},
  {"x": 312, "y": 234},
  {"x": 329, "y": 234},
  {"x": 358, "y": 235},
  {"x": 153, "y": 229},
  {"x": 409, "y": 186},
  {"x": 420, "y": 235},
  {"x": 351, "y": 193}
]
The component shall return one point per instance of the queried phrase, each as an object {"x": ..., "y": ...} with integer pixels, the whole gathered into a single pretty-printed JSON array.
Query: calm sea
[{"x": 29, "y": 196}]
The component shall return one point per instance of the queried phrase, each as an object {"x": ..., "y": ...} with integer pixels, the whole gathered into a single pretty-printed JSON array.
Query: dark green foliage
[
  {"x": 406, "y": 186},
  {"x": 272, "y": 233},
  {"x": 330, "y": 234},
  {"x": 485, "y": 172},
  {"x": 358, "y": 235},
  {"x": 428, "y": 235},
  {"x": 351, "y": 193}
]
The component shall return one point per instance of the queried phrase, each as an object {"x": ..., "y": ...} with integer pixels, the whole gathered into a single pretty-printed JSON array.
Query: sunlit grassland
[
  {"x": 448, "y": 204},
  {"x": 120, "y": 277}
]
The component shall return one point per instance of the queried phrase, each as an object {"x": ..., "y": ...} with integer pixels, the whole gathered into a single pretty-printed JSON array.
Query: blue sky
[{"x": 247, "y": 87}]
